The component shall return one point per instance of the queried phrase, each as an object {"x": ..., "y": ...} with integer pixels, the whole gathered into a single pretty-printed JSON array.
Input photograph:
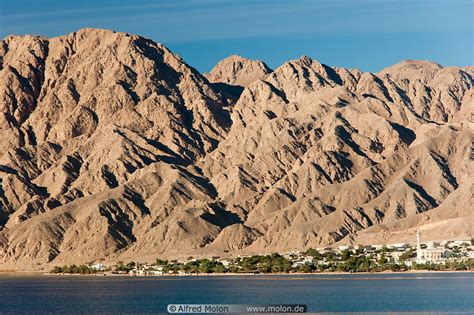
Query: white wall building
[
  {"x": 430, "y": 254},
  {"x": 98, "y": 266}
]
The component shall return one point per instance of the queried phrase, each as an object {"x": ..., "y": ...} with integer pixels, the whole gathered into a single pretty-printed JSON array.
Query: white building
[
  {"x": 306, "y": 260},
  {"x": 156, "y": 272},
  {"x": 225, "y": 262},
  {"x": 399, "y": 246},
  {"x": 395, "y": 257},
  {"x": 345, "y": 247},
  {"x": 430, "y": 254},
  {"x": 452, "y": 244},
  {"x": 98, "y": 266},
  {"x": 137, "y": 272}
]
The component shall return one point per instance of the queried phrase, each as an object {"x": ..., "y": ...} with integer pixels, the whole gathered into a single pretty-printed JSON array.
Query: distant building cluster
[
  {"x": 444, "y": 255},
  {"x": 397, "y": 253}
]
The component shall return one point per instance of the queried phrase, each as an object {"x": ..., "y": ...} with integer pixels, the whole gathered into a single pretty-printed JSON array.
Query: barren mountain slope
[
  {"x": 114, "y": 148},
  {"x": 315, "y": 157}
]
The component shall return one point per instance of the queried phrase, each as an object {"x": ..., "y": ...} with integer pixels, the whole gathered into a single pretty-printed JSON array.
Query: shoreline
[{"x": 105, "y": 274}]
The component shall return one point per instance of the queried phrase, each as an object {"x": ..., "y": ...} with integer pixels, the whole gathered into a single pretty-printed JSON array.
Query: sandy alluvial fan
[{"x": 112, "y": 147}]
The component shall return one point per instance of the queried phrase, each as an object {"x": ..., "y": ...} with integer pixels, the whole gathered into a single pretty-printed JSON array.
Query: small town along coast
[{"x": 400, "y": 257}]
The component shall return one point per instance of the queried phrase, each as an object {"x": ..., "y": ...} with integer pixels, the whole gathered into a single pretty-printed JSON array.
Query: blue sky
[{"x": 366, "y": 34}]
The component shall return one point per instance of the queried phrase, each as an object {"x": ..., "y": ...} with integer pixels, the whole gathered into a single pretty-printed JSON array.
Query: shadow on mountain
[
  {"x": 332, "y": 74},
  {"x": 120, "y": 226},
  {"x": 229, "y": 91},
  {"x": 8, "y": 170},
  {"x": 278, "y": 92},
  {"x": 171, "y": 157},
  {"x": 137, "y": 200},
  {"x": 345, "y": 136},
  {"x": 420, "y": 190},
  {"x": 406, "y": 135},
  {"x": 221, "y": 216}
]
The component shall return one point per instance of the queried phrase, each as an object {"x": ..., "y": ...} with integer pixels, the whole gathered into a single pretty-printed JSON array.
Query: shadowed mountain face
[{"x": 113, "y": 148}]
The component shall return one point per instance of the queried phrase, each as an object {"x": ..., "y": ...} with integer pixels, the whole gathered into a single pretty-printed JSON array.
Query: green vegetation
[
  {"x": 82, "y": 269},
  {"x": 448, "y": 266},
  {"x": 407, "y": 255},
  {"x": 345, "y": 255},
  {"x": 313, "y": 253},
  {"x": 204, "y": 266},
  {"x": 353, "y": 262},
  {"x": 308, "y": 262},
  {"x": 124, "y": 268},
  {"x": 264, "y": 264}
]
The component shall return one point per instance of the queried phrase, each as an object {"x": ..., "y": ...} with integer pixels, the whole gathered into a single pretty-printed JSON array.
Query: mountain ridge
[{"x": 115, "y": 148}]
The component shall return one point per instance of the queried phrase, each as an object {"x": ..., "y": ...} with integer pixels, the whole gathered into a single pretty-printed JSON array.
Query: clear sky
[{"x": 367, "y": 34}]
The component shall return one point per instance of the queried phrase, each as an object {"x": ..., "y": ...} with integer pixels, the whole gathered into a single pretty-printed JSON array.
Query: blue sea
[{"x": 424, "y": 292}]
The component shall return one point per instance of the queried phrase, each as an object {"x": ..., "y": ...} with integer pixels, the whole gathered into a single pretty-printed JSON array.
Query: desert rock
[{"x": 114, "y": 148}]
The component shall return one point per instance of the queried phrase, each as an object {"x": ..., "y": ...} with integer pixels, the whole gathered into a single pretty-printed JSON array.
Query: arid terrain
[{"x": 113, "y": 147}]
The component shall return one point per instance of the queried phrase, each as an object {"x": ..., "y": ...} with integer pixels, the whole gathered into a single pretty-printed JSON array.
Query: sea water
[{"x": 403, "y": 292}]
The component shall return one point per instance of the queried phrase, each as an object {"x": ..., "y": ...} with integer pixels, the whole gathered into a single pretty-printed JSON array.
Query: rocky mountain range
[{"x": 113, "y": 148}]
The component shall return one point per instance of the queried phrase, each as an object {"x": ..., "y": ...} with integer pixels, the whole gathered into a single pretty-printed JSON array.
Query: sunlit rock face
[{"x": 113, "y": 148}]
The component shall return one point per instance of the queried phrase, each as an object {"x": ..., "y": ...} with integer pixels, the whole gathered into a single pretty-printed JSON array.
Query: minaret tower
[{"x": 419, "y": 251}]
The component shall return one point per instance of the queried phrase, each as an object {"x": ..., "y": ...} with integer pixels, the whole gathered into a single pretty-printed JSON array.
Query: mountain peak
[
  {"x": 305, "y": 60},
  {"x": 412, "y": 66},
  {"x": 412, "y": 63},
  {"x": 238, "y": 70}
]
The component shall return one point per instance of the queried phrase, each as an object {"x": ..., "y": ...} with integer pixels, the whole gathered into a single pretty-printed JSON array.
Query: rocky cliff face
[{"x": 114, "y": 148}]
